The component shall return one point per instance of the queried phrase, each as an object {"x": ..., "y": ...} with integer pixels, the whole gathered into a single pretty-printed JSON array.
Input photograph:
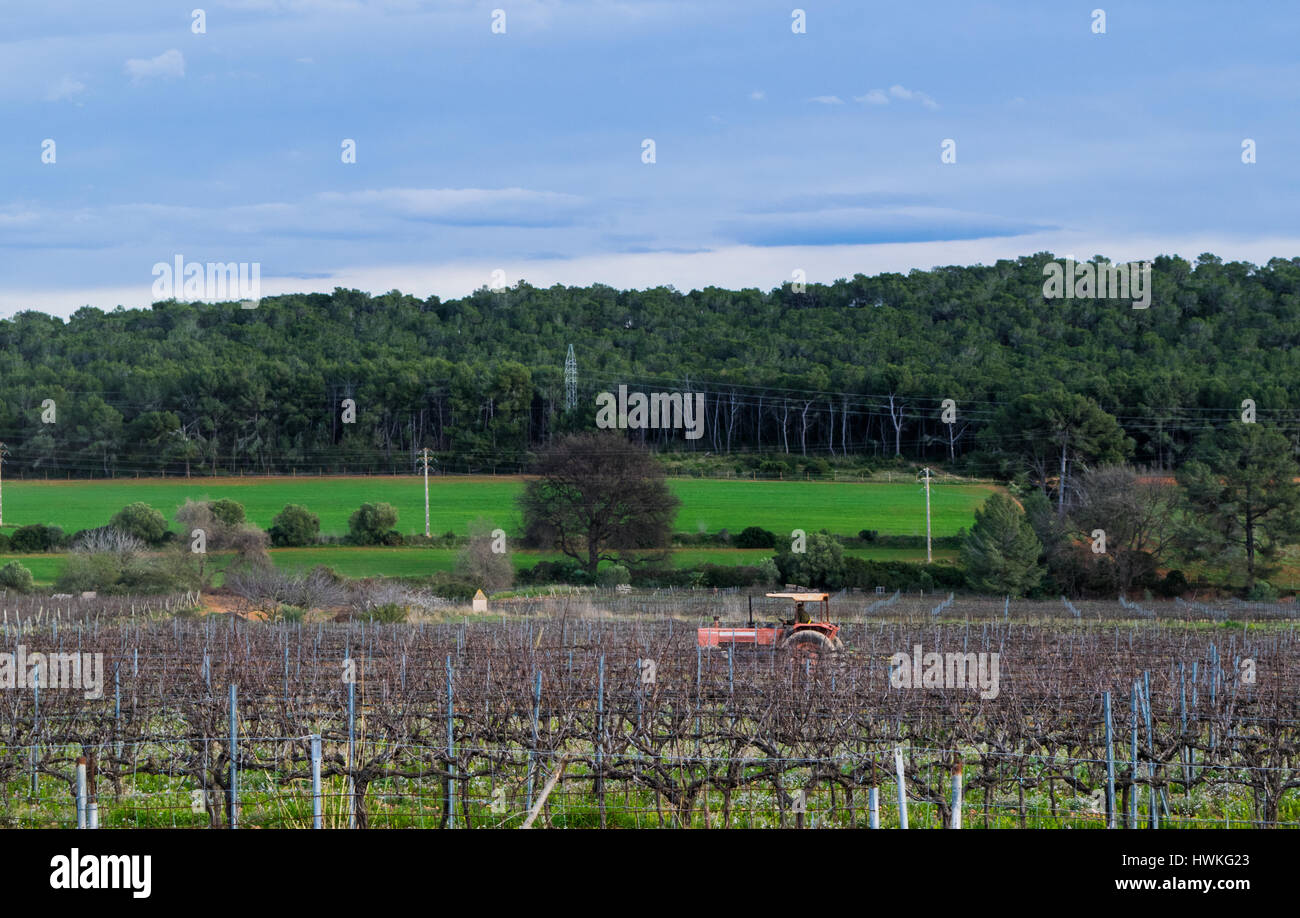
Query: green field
[{"x": 707, "y": 505}]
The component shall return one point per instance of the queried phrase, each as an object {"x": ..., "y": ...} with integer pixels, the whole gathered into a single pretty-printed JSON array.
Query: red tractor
[{"x": 805, "y": 635}]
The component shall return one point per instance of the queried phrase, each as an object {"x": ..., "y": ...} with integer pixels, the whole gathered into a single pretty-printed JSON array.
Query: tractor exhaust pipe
[{"x": 751, "y": 611}]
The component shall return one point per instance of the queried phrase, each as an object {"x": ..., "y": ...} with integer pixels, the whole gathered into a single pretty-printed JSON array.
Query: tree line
[{"x": 969, "y": 366}]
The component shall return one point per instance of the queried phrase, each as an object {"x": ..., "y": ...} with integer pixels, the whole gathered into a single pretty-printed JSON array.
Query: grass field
[{"x": 707, "y": 505}]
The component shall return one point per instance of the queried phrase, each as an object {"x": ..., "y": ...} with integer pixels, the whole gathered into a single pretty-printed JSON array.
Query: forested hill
[{"x": 861, "y": 366}]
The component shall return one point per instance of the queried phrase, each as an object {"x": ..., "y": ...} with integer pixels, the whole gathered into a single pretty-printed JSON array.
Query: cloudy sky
[{"x": 522, "y": 151}]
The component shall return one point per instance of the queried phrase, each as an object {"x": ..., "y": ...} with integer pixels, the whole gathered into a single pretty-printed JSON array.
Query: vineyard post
[
  {"x": 532, "y": 752},
  {"x": 956, "y": 796},
  {"x": 36, "y": 719},
  {"x": 1133, "y": 770},
  {"x": 902, "y": 787},
  {"x": 352, "y": 741},
  {"x": 117, "y": 706},
  {"x": 316, "y": 821},
  {"x": 873, "y": 805},
  {"x": 600, "y": 738},
  {"x": 234, "y": 760},
  {"x": 1110, "y": 766},
  {"x": 1153, "y": 802},
  {"x": 81, "y": 792},
  {"x": 1183, "y": 748},
  {"x": 451, "y": 751}
]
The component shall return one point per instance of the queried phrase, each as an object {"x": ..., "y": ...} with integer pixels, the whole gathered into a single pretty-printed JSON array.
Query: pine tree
[{"x": 1000, "y": 553}]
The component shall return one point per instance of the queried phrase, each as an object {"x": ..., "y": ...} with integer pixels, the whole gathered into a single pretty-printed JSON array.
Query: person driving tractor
[{"x": 801, "y": 616}]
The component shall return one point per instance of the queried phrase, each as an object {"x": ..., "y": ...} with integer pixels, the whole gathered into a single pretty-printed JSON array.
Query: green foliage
[
  {"x": 595, "y": 497},
  {"x": 290, "y": 614},
  {"x": 294, "y": 527},
  {"x": 372, "y": 524},
  {"x": 479, "y": 378},
  {"x": 612, "y": 575},
  {"x": 450, "y": 586},
  {"x": 13, "y": 576},
  {"x": 142, "y": 521},
  {"x": 229, "y": 511},
  {"x": 36, "y": 538},
  {"x": 389, "y": 613},
  {"x": 1245, "y": 503},
  {"x": 821, "y": 564},
  {"x": 1262, "y": 591},
  {"x": 1001, "y": 551},
  {"x": 111, "y": 574},
  {"x": 862, "y": 574},
  {"x": 755, "y": 537},
  {"x": 563, "y": 571}
]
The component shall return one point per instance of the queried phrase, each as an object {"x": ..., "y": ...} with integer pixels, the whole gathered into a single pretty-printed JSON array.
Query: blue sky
[{"x": 522, "y": 152}]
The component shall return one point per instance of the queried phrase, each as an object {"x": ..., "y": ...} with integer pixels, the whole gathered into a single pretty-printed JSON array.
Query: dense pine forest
[{"x": 860, "y": 368}]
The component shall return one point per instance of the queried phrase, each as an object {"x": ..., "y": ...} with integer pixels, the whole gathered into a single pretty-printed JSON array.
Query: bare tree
[{"x": 482, "y": 562}]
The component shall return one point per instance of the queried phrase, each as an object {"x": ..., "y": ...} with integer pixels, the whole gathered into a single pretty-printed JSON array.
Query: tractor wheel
[{"x": 811, "y": 645}]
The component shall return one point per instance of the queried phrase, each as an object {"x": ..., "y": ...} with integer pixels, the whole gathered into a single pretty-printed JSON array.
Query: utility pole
[
  {"x": 929, "y": 559},
  {"x": 424, "y": 461}
]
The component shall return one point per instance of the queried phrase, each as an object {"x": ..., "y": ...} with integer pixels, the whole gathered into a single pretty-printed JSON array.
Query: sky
[{"x": 507, "y": 140}]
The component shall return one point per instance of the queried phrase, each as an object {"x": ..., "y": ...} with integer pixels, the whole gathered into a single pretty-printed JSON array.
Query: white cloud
[
  {"x": 875, "y": 97},
  {"x": 483, "y": 206},
  {"x": 758, "y": 95},
  {"x": 910, "y": 95},
  {"x": 65, "y": 88},
  {"x": 827, "y": 100},
  {"x": 168, "y": 64},
  {"x": 732, "y": 267}
]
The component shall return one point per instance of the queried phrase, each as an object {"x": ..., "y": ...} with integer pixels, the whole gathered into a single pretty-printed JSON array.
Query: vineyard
[{"x": 600, "y": 710}]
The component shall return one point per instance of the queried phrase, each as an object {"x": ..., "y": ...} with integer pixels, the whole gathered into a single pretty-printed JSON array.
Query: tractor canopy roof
[{"x": 801, "y": 597}]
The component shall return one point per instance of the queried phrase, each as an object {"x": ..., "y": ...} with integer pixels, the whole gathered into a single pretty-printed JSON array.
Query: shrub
[
  {"x": 544, "y": 572},
  {"x": 756, "y": 537},
  {"x": 613, "y": 575},
  {"x": 261, "y": 584},
  {"x": 290, "y": 614},
  {"x": 389, "y": 613},
  {"x": 767, "y": 572},
  {"x": 479, "y": 561},
  {"x": 660, "y": 577},
  {"x": 821, "y": 564},
  {"x": 13, "y": 576},
  {"x": 228, "y": 511},
  {"x": 452, "y": 587},
  {"x": 1262, "y": 591},
  {"x": 868, "y": 535},
  {"x": 36, "y": 538},
  {"x": 223, "y": 526},
  {"x": 1173, "y": 584},
  {"x": 142, "y": 521},
  {"x": 372, "y": 523},
  {"x": 294, "y": 527},
  {"x": 98, "y": 572},
  {"x": 726, "y": 576}
]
